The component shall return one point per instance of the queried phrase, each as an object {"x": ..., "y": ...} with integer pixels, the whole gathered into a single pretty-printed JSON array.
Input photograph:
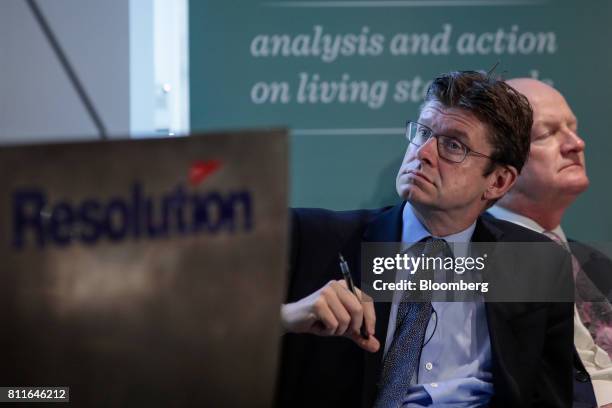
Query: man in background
[{"x": 553, "y": 177}]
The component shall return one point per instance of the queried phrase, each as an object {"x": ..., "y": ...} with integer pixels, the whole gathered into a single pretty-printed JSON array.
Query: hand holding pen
[
  {"x": 348, "y": 279},
  {"x": 334, "y": 310}
]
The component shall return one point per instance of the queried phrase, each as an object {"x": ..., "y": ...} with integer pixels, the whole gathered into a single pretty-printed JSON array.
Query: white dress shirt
[{"x": 595, "y": 360}]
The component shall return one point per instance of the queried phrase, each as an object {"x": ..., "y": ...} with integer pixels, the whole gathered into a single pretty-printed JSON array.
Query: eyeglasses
[{"x": 449, "y": 148}]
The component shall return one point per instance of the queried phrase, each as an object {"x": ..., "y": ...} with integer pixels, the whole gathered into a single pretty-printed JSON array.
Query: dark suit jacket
[
  {"x": 598, "y": 268},
  {"x": 531, "y": 342}
]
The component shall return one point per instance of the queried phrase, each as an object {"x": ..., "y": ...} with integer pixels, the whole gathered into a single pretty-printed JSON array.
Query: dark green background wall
[{"x": 345, "y": 155}]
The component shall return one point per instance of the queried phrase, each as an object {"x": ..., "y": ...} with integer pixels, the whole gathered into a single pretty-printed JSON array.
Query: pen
[{"x": 351, "y": 287}]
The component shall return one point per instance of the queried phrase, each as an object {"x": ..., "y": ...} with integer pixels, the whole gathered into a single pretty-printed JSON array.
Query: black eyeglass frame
[{"x": 467, "y": 150}]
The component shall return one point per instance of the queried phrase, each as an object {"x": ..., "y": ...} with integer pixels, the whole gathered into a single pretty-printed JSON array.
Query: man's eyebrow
[
  {"x": 450, "y": 131},
  {"x": 552, "y": 126},
  {"x": 546, "y": 122},
  {"x": 572, "y": 120},
  {"x": 457, "y": 133}
]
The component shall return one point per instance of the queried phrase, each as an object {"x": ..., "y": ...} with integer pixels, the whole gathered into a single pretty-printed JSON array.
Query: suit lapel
[
  {"x": 385, "y": 228},
  {"x": 503, "y": 341}
]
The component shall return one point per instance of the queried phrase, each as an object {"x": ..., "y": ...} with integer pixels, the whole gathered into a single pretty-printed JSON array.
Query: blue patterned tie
[{"x": 402, "y": 359}]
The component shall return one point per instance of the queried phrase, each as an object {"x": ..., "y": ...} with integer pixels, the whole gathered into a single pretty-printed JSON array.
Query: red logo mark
[{"x": 200, "y": 170}]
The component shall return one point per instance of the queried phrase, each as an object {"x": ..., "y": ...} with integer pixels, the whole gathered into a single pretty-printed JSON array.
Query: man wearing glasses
[{"x": 465, "y": 151}]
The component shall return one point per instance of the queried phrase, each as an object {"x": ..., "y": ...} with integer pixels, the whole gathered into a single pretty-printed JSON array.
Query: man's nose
[
  {"x": 572, "y": 142},
  {"x": 428, "y": 151}
]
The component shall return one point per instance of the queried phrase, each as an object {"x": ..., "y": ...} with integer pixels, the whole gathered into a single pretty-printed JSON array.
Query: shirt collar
[
  {"x": 413, "y": 230},
  {"x": 509, "y": 215}
]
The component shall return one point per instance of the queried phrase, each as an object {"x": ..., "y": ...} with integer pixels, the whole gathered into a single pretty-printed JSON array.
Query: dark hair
[{"x": 506, "y": 112}]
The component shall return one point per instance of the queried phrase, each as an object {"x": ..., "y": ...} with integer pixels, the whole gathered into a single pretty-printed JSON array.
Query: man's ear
[{"x": 501, "y": 180}]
